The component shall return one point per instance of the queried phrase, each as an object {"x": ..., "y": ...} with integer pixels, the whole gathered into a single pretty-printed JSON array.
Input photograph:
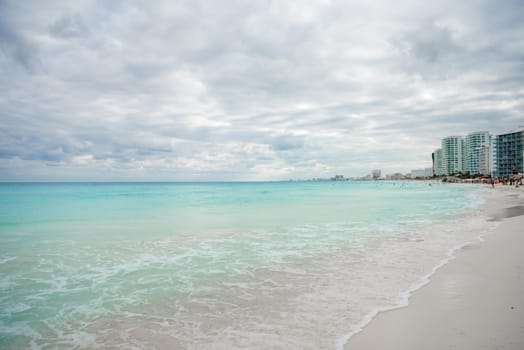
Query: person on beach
[{"x": 492, "y": 183}]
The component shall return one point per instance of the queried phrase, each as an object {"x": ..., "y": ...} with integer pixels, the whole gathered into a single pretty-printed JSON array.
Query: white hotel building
[
  {"x": 469, "y": 154},
  {"x": 476, "y": 153}
]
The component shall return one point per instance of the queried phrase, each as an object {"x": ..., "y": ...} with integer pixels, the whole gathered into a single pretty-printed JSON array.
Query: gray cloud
[
  {"x": 196, "y": 90},
  {"x": 14, "y": 45},
  {"x": 430, "y": 51},
  {"x": 428, "y": 44},
  {"x": 69, "y": 27}
]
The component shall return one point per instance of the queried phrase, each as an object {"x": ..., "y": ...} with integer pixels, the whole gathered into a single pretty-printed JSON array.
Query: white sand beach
[{"x": 476, "y": 301}]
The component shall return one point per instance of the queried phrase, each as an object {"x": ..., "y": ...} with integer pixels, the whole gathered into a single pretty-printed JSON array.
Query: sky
[{"x": 249, "y": 90}]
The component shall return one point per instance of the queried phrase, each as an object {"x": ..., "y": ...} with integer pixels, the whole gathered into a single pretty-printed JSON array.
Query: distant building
[
  {"x": 509, "y": 154},
  {"x": 486, "y": 160},
  {"x": 438, "y": 164},
  {"x": 452, "y": 155},
  {"x": 433, "y": 162},
  {"x": 376, "y": 174},
  {"x": 422, "y": 173},
  {"x": 470, "y": 154},
  {"x": 479, "y": 153},
  {"x": 476, "y": 153},
  {"x": 395, "y": 176}
]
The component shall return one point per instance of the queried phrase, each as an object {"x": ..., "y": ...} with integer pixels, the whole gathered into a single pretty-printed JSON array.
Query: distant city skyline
[{"x": 247, "y": 91}]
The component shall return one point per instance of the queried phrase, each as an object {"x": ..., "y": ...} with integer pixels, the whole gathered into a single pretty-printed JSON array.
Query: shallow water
[{"x": 217, "y": 265}]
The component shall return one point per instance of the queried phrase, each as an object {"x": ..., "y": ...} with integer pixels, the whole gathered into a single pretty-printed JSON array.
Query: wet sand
[{"x": 474, "y": 302}]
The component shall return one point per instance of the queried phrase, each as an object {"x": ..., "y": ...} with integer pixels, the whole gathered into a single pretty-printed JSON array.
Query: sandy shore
[{"x": 474, "y": 302}]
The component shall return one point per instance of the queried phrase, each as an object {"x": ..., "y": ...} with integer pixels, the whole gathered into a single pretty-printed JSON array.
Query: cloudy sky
[{"x": 249, "y": 90}]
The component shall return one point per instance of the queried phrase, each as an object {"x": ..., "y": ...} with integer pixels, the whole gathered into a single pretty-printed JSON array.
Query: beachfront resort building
[
  {"x": 452, "y": 155},
  {"x": 376, "y": 174},
  {"x": 395, "y": 176},
  {"x": 421, "y": 173},
  {"x": 470, "y": 154},
  {"x": 509, "y": 154},
  {"x": 486, "y": 159},
  {"x": 438, "y": 168},
  {"x": 476, "y": 153}
]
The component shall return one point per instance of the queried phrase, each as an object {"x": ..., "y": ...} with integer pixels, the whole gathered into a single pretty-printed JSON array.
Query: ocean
[{"x": 281, "y": 265}]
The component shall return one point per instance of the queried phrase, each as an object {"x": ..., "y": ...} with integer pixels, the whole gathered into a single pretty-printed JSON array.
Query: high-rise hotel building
[
  {"x": 476, "y": 153},
  {"x": 509, "y": 154},
  {"x": 452, "y": 155},
  {"x": 469, "y": 154},
  {"x": 481, "y": 153},
  {"x": 438, "y": 168},
  {"x": 447, "y": 160}
]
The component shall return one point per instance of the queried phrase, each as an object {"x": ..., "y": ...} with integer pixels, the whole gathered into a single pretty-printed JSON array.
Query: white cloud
[{"x": 194, "y": 90}]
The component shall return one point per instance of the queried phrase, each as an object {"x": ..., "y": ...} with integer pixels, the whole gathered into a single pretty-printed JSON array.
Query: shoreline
[
  {"x": 381, "y": 327},
  {"x": 406, "y": 296}
]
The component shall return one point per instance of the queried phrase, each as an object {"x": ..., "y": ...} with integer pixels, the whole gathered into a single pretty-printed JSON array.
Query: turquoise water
[{"x": 212, "y": 265}]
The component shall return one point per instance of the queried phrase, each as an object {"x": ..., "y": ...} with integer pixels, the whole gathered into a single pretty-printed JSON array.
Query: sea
[{"x": 261, "y": 265}]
